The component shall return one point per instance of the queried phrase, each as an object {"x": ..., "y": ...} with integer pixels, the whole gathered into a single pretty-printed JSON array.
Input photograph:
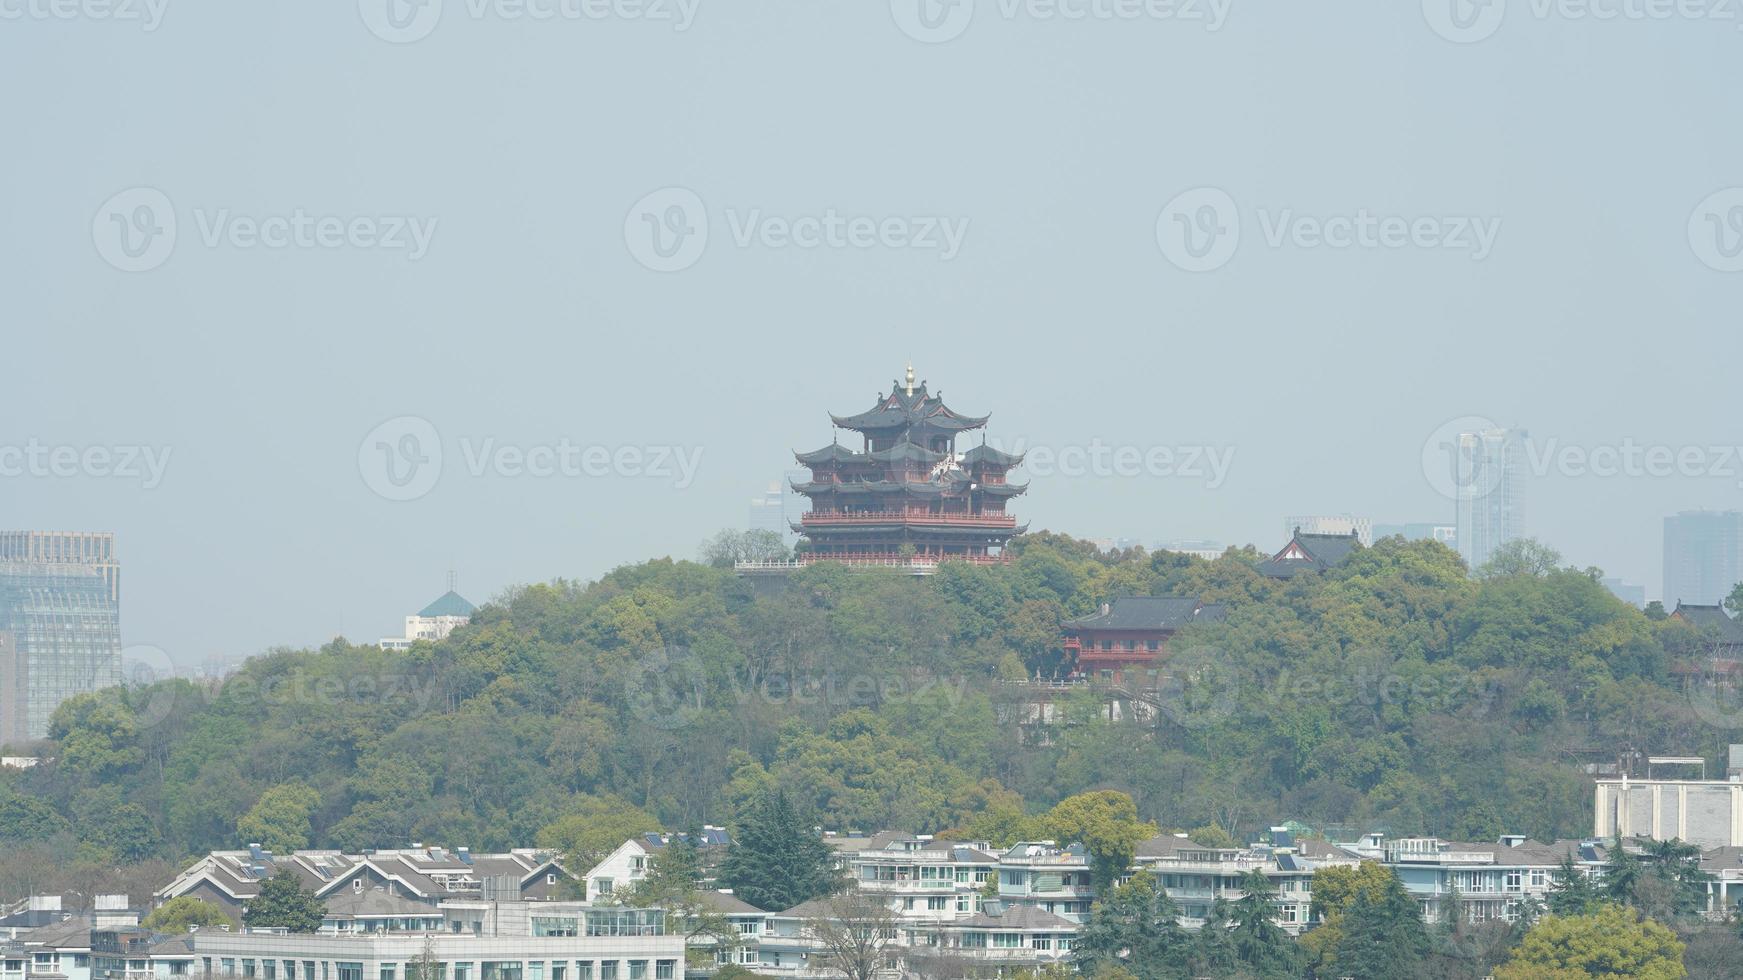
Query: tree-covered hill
[{"x": 1394, "y": 691}]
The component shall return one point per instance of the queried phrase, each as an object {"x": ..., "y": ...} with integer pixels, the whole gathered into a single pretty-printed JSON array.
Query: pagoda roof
[
  {"x": 1710, "y": 618},
  {"x": 984, "y": 453},
  {"x": 835, "y": 452},
  {"x": 1309, "y": 552},
  {"x": 926, "y": 488},
  {"x": 1002, "y": 489},
  {"x": 906, "y": 451},
  {"x": 909, "y": 406}
]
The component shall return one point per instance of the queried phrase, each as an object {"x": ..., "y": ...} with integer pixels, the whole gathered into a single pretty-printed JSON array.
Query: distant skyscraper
[
  {"x": 779, "y": 508},
  {"x": 1634, "y": 595},
  {"x": 1490, "y": 478},
  {"x": 1341, "y": 524},
  {"x": 60, "y": 624},
  {"x": 1446, "y": 534},
  {"x": 1703, "y": 557}
]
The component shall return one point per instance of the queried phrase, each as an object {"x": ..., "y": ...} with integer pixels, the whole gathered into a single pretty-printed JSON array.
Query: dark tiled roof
[
  {"x": 1711, "y": 618},
  {"x": 1142, "y": 612},
  {"x": 835, "y": 452},
  {"x": 376, "y": 902},
  {"x": 1015, "y": 917},
  {"x": 901, "y": 410},
  {"x": 990, "y": 456},
  {"x": 1323, "y": 551},
  {"x": 728, "y": 904}
]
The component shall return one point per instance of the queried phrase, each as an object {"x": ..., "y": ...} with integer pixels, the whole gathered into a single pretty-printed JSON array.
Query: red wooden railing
[{"x": 906, "y": 517}]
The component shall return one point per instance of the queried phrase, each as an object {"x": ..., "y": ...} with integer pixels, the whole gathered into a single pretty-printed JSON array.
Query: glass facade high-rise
[
  {"x": 60, "y": 624},
  {"x": 1703, "y": 557},
  {"x": 1491, "y": 474}
]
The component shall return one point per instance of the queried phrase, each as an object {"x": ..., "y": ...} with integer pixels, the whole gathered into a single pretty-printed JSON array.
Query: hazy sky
[{"x": 459, "y": 201}]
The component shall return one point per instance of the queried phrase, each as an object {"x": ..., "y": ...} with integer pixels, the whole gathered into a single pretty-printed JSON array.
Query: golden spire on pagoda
[{"x": 910, "y": 379}]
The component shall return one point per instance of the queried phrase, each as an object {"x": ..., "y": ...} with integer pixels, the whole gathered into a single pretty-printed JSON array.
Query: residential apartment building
[
  {"x": 391, "y": 889},
  {"x": 1492, "y": 881},
  {"x": 60, "y": 624}
]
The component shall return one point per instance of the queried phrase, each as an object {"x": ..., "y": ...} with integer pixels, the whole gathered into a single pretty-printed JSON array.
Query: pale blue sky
[{"x": 529, "y": 321}]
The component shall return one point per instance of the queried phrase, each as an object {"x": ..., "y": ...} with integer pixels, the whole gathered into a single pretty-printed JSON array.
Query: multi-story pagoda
[{"x": 907, "y": 496}]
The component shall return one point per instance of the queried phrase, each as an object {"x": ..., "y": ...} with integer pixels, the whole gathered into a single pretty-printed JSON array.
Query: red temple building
[
  {"x": 907, "y": 496},
  {"x": 1130, "y": 634}
]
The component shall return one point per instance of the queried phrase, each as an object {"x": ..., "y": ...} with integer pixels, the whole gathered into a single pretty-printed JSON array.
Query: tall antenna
[{"x": 453, "y": 579}]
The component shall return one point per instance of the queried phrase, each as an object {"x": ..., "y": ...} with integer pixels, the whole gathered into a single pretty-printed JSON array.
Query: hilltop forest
[{"x": 1395, "y": 692}]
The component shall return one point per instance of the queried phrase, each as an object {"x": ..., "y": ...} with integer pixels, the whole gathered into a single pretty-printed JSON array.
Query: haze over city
[{"x": 511, "y": 312}]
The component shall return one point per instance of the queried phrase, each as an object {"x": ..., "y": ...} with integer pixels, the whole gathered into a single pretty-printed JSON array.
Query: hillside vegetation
[{"x": 1395, "y": 692}]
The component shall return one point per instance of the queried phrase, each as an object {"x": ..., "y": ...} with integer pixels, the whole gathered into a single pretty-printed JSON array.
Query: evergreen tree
[
  {"x": 283, "y": 903},
  {"x": 1135, "y": 927},
  {"x": 1214, "y": 951},
  {"x": 1572, "y": 891},
  {"x": 1622, "y": 875},
  {"x": 775, "y": 860},
  {"x": 1383, "y": 938},
  {"x": 1259, "y": 941}
]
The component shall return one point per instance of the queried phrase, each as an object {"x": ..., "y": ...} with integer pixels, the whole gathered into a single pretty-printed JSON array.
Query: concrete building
[
  {"x": 1704, "y": 812},
  {"x": 435, "y": 621},
  {"x": 1703, "y": 557},
  {"x": 1490, "y": 476},
  {"x": 60, "y": 624},
  {"x": 1341, "y": 525}
]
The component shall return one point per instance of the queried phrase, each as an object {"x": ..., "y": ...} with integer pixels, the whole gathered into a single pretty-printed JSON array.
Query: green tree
[
  {"x": 1212, "y": 835},
  {"x": 1106, "y": 824},
  {"x": 177, "y": 914},
  {"x": 1383, "y": 936},
  {"x": 1572, "y": 891},
  {"x": 97, "y": 733},
  {"x": 1136, "y": 926},
  {"x": 1259, "y": 942},
  {"x": 28, "y": 818},
  {"x": 597, "y": 826},
  {"x": 1734, "y": 601},
  {"x": 283, "y": 903},
  {"x": 280, "y": 820},
  {"x": 1609, "y": 942},
  {"x": 1525, "y": 556},
  {"x": 775, "y": 860}
]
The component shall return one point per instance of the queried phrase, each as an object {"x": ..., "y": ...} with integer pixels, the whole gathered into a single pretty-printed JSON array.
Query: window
[
  {"x": 584, "y": 970},
  {"x": 1539, "y": 877},
  {"x": 1040, "y": 942},
  {"x": 387, "y": 971},
  {"x": 501, "y": 970},
  {"x": 248, "y": 970},
  {"x": 664, "y": 969},
  {"x": 551, "y": 879},
  {"x": 559, "y": 970},
  {"x": 638, "y": 970},
  {"x": 1513, "y": 880},
  {"x": 608, "y": 970},
  {"x": 536, "y": 971},
  {"x": 357, "y": 884},
  {"x": 269, "y": 969}
]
